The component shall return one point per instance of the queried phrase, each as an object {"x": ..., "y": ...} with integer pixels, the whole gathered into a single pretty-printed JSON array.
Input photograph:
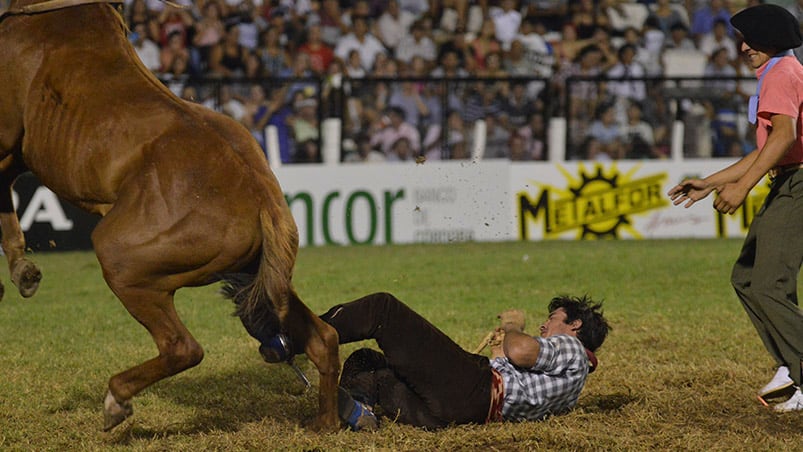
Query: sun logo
[{"x": 595, "y": 204}]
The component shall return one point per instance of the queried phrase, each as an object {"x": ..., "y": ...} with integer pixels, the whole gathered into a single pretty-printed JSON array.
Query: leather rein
[{"x": 51, "y": 5}]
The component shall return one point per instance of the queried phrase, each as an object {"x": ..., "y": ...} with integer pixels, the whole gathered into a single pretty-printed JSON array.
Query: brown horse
[{"x": 186, "y": 194}]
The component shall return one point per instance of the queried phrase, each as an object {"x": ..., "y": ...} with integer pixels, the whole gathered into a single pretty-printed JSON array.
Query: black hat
[{"x": 768, "y": 26}]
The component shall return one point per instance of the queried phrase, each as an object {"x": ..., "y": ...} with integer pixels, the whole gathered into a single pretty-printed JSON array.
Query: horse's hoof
[
  {"x": 115, "y": 412},
  {"x": 2, "y": 291},
  {"x": 26, "y": 277}
]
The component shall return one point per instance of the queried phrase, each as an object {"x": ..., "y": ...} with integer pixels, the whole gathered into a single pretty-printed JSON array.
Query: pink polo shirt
[{"x": 781, "y": 93}]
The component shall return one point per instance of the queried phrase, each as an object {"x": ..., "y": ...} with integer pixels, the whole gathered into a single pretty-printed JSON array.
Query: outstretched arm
[
  {"x": 779, "y": 141},
  {"x": 692, "y": 190}
]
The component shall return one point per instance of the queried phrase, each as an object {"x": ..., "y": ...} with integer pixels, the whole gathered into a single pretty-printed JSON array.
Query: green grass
[{"x": 678, "y": 371}]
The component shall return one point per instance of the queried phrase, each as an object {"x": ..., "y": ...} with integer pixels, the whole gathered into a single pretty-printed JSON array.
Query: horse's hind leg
[{"x": 24, "y": 273}]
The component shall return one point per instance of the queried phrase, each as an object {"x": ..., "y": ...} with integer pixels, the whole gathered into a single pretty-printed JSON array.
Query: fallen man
[{"x": 423, "y": 378}]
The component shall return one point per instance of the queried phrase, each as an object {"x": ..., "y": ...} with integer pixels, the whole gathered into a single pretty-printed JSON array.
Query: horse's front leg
[{"x": 24, "y": 273}]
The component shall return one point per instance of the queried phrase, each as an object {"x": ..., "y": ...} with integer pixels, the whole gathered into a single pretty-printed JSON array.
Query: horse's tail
[{"x": 263, "y": 297}]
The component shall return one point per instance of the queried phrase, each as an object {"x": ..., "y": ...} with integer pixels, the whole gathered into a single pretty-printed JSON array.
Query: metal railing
[{"x": 465, "y": 114}]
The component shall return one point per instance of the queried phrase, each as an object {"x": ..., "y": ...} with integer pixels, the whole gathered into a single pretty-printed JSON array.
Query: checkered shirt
[{"x": 552, "y": 386}]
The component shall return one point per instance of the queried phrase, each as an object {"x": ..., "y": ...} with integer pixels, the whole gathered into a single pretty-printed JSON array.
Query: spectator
[
  {"x": 568, "y": 46},
  {"x": 587, "y": 16},
  {"x": 320, "y": 53},
  {"x": 272, "y": 53},
  {"x": 227, "y": 104},
  {"x": 137, "y": 13},
  {"x": 228, "y": 57},
  {"x": 393, "y": 25},
  {"x": 638, "y": 137},
  {"x": 650, "y": 48},
  {"x": 459, "y": 45},
  {"x": 534, "y": 135},
  {"x": 457, "y": 137},
  {"x": 366, "y": 44},
  {"x": 177, "y": 74},
  {"x": 631, "y": 71},
  {"x": 449, "y": 66},
  {"x": 401, "y": 151},
  {"x": 173, "y": 51},
  {"x": 518, "y": 148},
  {"x": 552, "y": 13},
  {"x": 484, "y": 44},
  {"x": 417, "y": 7},
  {"x": 305, "y": 128},
  {"x": 666, "y": 16},
  {"x": 330, "y": 19},
  {"x": 365, "y": 152},
  {"x": 147, "y": 50},
  {"x": 583, "y": 95},
  {"x": 608, "y": 131},
  {"x": 718, "y": 39},
  {"x": 720, "y": 74},
  {"x": 679, "y": 38},
  {"x": 249, "y": 23},
  {"x": 354, "y": 68},
  {"x": 406, "y": 95},
  {"x": 518, "y": 105},
  {"x": 417, "y": 43},
  {"x": 592, "y": 149},
  {"x": 704, "y": 17},
  {"x": 257, "y": 112},
  {"x": 391, "y": 127},
  {"x": 208, "y": 32},
  {"x": 506, "y": 22},
  {"x": 497, "y": 138},
  {"x": 174, "y": 20},
  {"x": 537, "y": 51}
]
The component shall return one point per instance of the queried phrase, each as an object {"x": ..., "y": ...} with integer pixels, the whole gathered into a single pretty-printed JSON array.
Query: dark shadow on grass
[
  {"x": 219, "y": 402},
  {"x": 605, "y": 403}
]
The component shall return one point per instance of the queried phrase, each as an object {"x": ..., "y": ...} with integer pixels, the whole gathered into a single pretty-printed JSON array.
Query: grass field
[{"x": 678, "y": 372}]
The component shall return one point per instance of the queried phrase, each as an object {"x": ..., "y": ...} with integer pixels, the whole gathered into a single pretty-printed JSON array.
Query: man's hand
[
  {"x": 690, "y": 191},
  {"x": 496, "y": 342},
  {"x": 730, "y": 197}
]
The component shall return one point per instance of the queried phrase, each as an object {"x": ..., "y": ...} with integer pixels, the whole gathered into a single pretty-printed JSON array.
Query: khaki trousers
[{"x": 765, "y": 274}]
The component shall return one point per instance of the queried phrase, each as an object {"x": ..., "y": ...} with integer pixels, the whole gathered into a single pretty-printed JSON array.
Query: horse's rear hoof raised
[
  {"x": 26, "y": 277},
  {"x": 115, "y": 412}
]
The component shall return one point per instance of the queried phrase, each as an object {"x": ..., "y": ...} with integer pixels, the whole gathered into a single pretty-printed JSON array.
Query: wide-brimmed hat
[{"x": 768, "y": 26}]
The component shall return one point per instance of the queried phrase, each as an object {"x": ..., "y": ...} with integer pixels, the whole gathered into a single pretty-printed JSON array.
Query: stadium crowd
[{"x": 410, "y": 77}]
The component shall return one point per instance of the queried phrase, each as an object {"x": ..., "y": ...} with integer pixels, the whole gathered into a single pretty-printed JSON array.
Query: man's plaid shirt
[{"x": 552, "y": 386}]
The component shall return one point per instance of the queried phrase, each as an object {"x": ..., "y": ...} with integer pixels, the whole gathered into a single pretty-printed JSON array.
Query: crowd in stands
[{"x": 513, "y": 63}]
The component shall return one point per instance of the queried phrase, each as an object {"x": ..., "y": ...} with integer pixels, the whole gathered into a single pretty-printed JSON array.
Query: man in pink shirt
[{"x": 765, "y": 274}]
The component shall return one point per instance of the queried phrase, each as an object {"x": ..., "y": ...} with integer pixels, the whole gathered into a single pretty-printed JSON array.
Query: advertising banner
[{"x": 442, "y": 202}]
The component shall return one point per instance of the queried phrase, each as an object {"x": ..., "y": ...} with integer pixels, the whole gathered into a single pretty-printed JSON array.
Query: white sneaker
[
  {"x": 793, "y": 404},
  {"x": 780, "y": 384}
]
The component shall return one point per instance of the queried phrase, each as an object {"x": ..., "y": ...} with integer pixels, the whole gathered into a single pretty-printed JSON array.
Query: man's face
[
  {"x": 556, "y": 324},
  {"x": 754, "y": 57}
]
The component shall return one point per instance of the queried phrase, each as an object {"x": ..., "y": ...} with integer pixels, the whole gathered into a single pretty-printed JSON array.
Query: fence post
[
  {"x": 272, "y": 146},
  {"x": 480, "y": 137},
  {"x": 676, "y": 145},
  {"x": 556, "y": 137},
  {"x": 330, "y": 141}
]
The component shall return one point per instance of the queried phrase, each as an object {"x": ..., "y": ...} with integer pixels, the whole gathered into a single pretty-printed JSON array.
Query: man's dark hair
[{"x": 594, "y": 329}]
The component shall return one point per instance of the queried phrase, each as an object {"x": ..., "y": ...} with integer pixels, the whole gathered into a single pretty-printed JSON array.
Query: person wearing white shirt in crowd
[
  {"x": 366, "y": 44},
  {"x": 507, "y": 22},
  {"x": 717, "y": 39},
  {"x": 146, "y": 49},
  {"x": 417, "y": 43},
  {"x": 394, "y": 24}
]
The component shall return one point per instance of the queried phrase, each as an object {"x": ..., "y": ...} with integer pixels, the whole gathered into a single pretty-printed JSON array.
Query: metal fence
[{"x": 501, "y": 117}]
